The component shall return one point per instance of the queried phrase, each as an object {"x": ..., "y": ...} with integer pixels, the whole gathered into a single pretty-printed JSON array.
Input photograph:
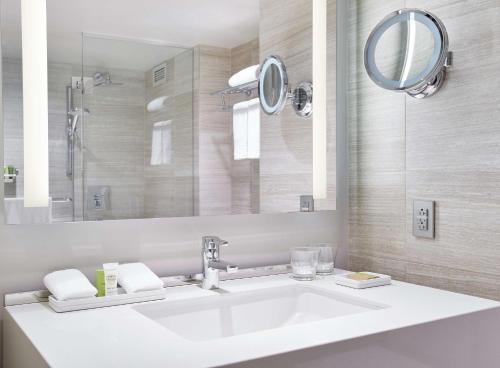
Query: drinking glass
[
  {"x": 304, "y": 261},
  {"x": 326, "y": 258}
]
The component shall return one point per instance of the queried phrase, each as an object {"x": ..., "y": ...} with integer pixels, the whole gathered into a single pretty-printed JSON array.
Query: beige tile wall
[
  {"x": 114, "y": 140},
  {"x": 245, "y": 176},
  {"x": 444, "y": 148},
  {"x": 212, "y": 132},
  {"x": 286, "y": 139},
  {"x": 59, "y": 76},
  {"x": 168, "y": 190}
]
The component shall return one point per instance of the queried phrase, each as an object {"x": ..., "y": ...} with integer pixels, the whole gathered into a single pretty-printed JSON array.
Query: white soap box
[
  {"x": 105, "y": 301},
  {"x": 363, "y": 284}
]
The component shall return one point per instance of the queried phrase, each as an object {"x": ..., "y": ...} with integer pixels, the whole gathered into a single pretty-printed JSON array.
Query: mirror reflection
[
  {"x": 404, "y": 51},
  {"x": 408, "y": 51},
  {"x": 273, "y": 85},
  {"x": 152, "y": 113}
]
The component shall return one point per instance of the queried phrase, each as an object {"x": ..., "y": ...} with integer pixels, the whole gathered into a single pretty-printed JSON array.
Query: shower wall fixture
[{"x": 408, "y": 52}]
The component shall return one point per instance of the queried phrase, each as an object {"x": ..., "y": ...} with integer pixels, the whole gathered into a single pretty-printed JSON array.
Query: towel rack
[{"x": 246, "y": 88}]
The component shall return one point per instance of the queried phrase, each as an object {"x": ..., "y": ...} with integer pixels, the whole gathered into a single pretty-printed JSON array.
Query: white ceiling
[{"x": 186, "y": 23}]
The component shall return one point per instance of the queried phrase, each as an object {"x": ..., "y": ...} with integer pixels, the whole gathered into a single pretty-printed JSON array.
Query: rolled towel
[
  {"x": 157, "y": 104},
  {"x": 135, "y": 277},
  {"x": 69, "y": 284},
  {"x": 246, "y": 75}
]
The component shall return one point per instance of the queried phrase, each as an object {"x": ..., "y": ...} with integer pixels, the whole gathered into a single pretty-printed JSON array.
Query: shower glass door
[{"x": 135, "y": 152}]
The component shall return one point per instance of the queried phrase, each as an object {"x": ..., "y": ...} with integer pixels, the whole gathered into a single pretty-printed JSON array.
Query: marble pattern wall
[
  {"x": 286, "y": 139},
  {"x": 245, "y": 174},
  {"x": 114, "y": 141},
  {"x": 213, "y": 134},
  {"x": 444, "y": 148},
  {"x": 169, "y": 187},
  {"x": 59, "y": 76}
]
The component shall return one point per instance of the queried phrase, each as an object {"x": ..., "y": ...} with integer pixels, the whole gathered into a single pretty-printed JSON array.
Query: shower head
[{"x": 104, "y": 79}]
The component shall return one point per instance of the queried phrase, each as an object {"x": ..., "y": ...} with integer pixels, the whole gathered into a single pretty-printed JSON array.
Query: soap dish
[
  {"x": 105, "y": 301},
  {"x": 378, "y": 280}
]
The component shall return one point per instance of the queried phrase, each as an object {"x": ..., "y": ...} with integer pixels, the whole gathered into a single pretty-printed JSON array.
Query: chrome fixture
[
  {"x": 246, "y": 89},
  {"x": 274, "y": 90},
  {"x": 211, "y": 263},
  {"x": 104, "y": 79},
  {"x": 73, "y": 114},
  {"x": 408, "y": 52}
]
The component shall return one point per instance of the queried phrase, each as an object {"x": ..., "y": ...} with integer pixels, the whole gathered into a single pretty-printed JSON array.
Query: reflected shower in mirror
[{"x": 162, "y": 119}]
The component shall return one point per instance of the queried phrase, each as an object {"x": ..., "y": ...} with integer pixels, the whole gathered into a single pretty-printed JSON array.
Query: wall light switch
[{"x": 423, "y": 219}]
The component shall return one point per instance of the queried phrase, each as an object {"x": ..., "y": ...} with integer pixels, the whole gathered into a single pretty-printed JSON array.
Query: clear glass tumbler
[
  {"x": 304, "y": 261},
  {"x": 326, "y": 258}
]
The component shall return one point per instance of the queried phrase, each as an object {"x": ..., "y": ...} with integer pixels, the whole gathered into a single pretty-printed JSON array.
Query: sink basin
[{"x": 215, "y": 317}]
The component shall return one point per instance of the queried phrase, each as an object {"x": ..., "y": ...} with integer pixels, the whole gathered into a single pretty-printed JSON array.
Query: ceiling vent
[{"x": 159, "y": 74}]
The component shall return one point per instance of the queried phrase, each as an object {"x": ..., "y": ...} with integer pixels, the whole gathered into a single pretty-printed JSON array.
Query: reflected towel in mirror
[
  {"x": 161, "y": 145},
  {"x": 246, "y": 75},
  {"x": 246, "y": 130}
]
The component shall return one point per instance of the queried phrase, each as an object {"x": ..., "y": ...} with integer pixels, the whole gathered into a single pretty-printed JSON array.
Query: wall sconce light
[
  {"x": 35, "y": 103},
  {"x": 319, "y": 85}
]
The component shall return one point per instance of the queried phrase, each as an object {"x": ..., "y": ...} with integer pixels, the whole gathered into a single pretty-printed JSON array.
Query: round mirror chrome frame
[
  {"x": 432, "y": 78},
  {"x": 279, "y": 106}
]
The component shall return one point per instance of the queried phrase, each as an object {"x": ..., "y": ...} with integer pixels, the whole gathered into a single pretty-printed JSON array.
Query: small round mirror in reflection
[
  {"x": 273, "y": 85},
  {"x": 407, "y": 51}
]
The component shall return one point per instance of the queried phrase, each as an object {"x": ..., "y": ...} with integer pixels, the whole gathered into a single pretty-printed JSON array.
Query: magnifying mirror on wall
[
  {"x": 408, "y": 52},
  {"x": 273, "y": 85},
  {"x": 274, "y": 90}
]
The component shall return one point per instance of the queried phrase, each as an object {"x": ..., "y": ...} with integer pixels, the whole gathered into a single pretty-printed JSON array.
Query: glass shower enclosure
[{"x": 130, "y": 131}]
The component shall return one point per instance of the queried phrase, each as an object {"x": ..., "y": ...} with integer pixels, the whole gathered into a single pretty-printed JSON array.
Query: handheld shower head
[{"x": 75, "y": 115}]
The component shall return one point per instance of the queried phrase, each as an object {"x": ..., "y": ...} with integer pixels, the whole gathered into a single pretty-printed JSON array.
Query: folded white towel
[
  {"x": 254, "y": 129},
  {"x": 135, "y": 277},
  {"x": 240, "y": 130},
  {"x": 246, "y": 75},
  {"x": 69, "y": 284},
  {"x": 161, "y": 143}
]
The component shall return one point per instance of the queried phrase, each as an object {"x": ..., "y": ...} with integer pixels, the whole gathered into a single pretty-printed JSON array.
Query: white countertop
[{"x": 122, "y": 337}]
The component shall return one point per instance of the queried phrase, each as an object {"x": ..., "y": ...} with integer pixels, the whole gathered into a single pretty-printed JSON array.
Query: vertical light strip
[
  {"x": 319, "y": 85},
  {"x": 35, "y": 103}
]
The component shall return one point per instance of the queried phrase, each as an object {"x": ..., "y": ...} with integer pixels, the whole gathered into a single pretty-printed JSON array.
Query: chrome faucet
[{"x": 211, "y": 262}]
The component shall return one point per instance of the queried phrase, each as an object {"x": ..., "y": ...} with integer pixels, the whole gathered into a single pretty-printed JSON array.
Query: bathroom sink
[{"x": 214, "y": 317}]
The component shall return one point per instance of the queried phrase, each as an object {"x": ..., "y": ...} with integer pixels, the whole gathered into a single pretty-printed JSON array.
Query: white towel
[
  {"x": 157, "y": 104},
  {"x": 254, "y": 129},
  {"x": 240, "y": 130},
  {"x": 161, "y": 145},
  {"x": 135, "y": 277},
  {"x": 246, "y": 130},
  {"x": 69, "y": 284},
  {"x": 246, "y": 75},
  {"x": 16, "y": 213}
]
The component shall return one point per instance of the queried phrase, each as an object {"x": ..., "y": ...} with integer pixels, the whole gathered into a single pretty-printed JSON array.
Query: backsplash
[{"x": 444, "y": 148}]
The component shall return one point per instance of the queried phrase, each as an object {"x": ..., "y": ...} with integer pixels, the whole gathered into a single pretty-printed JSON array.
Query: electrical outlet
[{"x": 423, "y": 219}]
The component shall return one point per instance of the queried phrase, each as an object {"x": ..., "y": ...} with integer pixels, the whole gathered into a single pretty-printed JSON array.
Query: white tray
[
  {"x": 363, "y": 284},
  {"x": 105, "y": 301}
]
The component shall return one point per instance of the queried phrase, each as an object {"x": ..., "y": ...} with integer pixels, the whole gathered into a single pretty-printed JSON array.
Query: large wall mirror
[{"x": 154, "y": 111}]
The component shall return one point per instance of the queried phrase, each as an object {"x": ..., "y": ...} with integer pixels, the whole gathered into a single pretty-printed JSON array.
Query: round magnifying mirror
[
  {"x": 408, "y": 52},
  {"x": 273, "y": 85}
]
